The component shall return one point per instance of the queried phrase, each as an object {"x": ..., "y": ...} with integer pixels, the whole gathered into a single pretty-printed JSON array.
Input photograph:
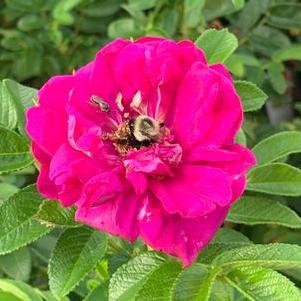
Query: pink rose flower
[{"x": 141, "y": 141}]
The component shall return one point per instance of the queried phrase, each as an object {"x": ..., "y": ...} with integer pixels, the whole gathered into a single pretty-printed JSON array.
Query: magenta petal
[
  {"x": 205, "y": 97},
  {"x": 181, "y": 237},
  {"x": 117, "y": 215},
  {"x": 138, "y": 181},
  {"x": 195, "y": 191},
  {"x": 55, "y": 93},
  {"x": 62, "y": 160},
  {"x": 233, "y": 159},
  {"x": 48, "y": 138},
  {"x": 130, "y": 72},
  {"x": 221, "y": 69},
  {"x": 103, "y": 82},
  {"x": 45, "y": 186},
  {"x": 39, "y": 154},
  {"x": 190, "y": 54}
]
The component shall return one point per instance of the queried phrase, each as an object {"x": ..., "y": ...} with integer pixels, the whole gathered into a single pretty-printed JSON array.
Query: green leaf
[
  {"x": 48, "y": 296},
  {"x": 222, "y": 291},
  {"x": 289, "y": 53},
  {"x": 277, "y": 146},
  {"x": 76, "y": 253},
  {"x": 250, "y": 14},
  {"x": 23, "y": 98},
  {"x": 51, "y": 212},
  {"x": 62, "y": 11},
  {"x": 285, "y": 16},
  {"x": 100, "y": 293},
  {"x": 238, "y": 4},
  {"x": 128, "y": 279},
  {"x": 259, "y": 284},
  {"x": 275, "y": 256},
  {"x": 17, "y": 224},
  {"x": 19, "y": 289},
  {"x": 123, "y": 28},
  {"x": 218, "y": 45},
  {"x": 275, "y": 71},
  {"x": 189, "y": 282},
  {"x": 267, "y": 40},
  {"x": 7, "y": 190},
  {"x": 251, "y": 96},
  {"x": 193, "y": 12},
  {"x": 102, "y": 9},
  {"x": 217, "y": 8},
  {"x": 30, "y": 22},
  {"x": 241, "y": 137},
  {"x": 14, "y": 151},
  {"x": 17, "y": 264},
  {"x": 235, "y": 65},
  {"x": 8, "y": 112},
  {"x": 275, "y": 178},
  {"x": 142, "y": 4},
  {"x": 225, "y": 239},
  {"x": 8, "y": 297},
  {"x": 166, "y": 23},
  {"x": 159, "y": 285},
  {"x": 252, "y": 210}
]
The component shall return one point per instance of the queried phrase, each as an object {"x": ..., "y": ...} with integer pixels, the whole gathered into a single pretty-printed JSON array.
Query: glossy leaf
[
  {"x": 277, "y": 146},
  {"x": 218, "y": 45},
  {"x": 129, "y": 278},
  {"x": 51, "y": 212},
  {"x": 194, "y": 283},
  {"x": 8, "y": 112},
  {"x": 276, "y": 256},
  {"x": 159, "y": 285},
  {"x": 275, "y": 178},
  {"x": 18, "y": 226},
  {"x": 14, "y": 151},
  {"x": 251, "y": 96},
  {"x": 259, "y": 284},
  {"x": 253, "y": 210},
  {"x": 23, "y": 97},
  {"x": 225, "y": 239},
  {"x": 76, "y": 253}
]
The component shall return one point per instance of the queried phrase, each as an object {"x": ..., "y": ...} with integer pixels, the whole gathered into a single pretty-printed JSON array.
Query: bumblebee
[{"x": 144, "y": 130}]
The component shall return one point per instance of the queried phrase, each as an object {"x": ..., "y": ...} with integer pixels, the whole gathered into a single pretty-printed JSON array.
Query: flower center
[{"x": 141, "y": 131}]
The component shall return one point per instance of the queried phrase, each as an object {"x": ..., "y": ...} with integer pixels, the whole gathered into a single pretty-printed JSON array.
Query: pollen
[{"x": 121, "y": 138}]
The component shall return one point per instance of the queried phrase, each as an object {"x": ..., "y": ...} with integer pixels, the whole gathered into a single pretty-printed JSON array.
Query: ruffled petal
[
  {"x": 208, "y": 110},
  {"x": 233, "y": 159},
  {"x": 45, "y": 186},
  {"x": 116, "y": 215},
  {"x": 47, "y": 123},
  {"x": 46, "y": 129},
  {"x": 130, "y": 72},
  {"x": 177, "y": 236},
  {"x": 67, "y": 173},
  {"x": 103, "y": 82},
  {"x": 55, "y": 93},
  {"x": 194, "y": 191}
]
